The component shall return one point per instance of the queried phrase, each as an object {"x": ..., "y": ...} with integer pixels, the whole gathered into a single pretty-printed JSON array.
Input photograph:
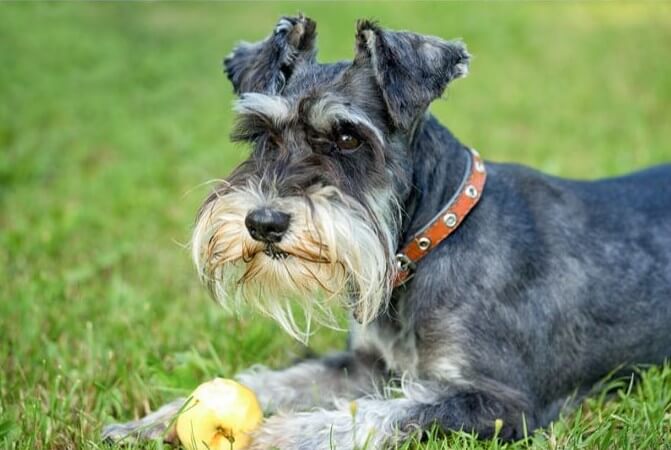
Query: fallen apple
[{"x": 219, "y": 415}]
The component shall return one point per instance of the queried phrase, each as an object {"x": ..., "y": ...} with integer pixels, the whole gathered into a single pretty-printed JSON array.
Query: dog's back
[
  {"x": 587, "y": 266},
  {"x": 625, "y": 233}
]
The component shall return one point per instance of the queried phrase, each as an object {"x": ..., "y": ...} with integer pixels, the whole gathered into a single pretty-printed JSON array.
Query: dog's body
[{"x": 546, "y": 287}]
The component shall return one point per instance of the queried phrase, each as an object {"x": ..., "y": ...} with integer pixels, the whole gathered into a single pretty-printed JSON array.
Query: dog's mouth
[{"x": 275, "y": 252}]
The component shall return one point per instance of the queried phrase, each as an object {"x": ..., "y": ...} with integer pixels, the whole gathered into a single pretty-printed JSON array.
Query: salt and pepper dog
[{"x": 544, "y": 288}]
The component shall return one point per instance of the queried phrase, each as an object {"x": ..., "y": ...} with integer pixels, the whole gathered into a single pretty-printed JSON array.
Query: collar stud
[
  {"x": 450, "y": 219},
  {"x": 424, "y": 243}
]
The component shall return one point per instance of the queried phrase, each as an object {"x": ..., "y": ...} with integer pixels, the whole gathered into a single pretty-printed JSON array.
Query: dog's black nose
[{"x": 267, "y": 225}]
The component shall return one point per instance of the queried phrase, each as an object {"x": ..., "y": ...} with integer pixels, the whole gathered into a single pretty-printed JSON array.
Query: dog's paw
[
  {"x": 155, "y": 426},
  {"x": 364, "y": 423},
  {"x": 318, "y": 430},
  {"x": 130, "y": 432}
]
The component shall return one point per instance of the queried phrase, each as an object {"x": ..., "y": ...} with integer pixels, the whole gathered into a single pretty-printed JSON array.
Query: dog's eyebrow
[
  {"x": 274, "y": 109},
  {"x": 329, "y": 109}
]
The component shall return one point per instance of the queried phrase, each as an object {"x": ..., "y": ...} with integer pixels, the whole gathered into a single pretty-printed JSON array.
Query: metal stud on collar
[
  {"x": 424, "y": 243},
  {"x": 450, "y": 219},
  {"x": 471, "y": 191}
]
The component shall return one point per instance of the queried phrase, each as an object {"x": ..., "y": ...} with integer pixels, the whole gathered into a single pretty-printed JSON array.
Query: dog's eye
[{"x": 347, "y": 142}]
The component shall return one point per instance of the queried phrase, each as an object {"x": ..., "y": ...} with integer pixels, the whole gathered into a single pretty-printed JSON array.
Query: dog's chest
[
  {"x": 420, "y": 350},
  {"x": 396, "y": 346}
]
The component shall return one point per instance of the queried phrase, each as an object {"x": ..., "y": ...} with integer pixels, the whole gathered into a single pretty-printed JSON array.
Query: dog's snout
[{"x": 267, "y": 224}]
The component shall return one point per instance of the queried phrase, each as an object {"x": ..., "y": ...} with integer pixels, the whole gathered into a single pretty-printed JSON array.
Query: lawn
[{"x": 114, "y": 116}]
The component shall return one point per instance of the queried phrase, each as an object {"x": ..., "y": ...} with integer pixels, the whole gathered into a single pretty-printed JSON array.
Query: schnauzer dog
[{"x": 543, "y": 287}]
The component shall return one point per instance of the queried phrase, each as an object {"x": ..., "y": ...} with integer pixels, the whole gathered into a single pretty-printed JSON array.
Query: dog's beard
[{"x": 336, "y": 251}]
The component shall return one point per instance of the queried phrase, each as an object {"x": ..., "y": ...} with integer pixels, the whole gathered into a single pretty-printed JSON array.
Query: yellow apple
[{"x": 219, "y": 415}]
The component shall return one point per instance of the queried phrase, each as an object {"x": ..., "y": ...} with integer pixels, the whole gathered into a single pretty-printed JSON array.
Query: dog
[{"x": 483, "y": 297}]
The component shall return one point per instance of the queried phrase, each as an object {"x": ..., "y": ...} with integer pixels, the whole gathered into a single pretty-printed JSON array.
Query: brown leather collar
[{"x": 445, "y": 222}]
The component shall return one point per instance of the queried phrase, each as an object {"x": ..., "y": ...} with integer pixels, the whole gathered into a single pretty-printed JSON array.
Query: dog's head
[{"x": 314, "y": 214}]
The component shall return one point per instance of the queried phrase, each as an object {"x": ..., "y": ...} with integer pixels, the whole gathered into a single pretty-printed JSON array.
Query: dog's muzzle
[{"x": 315, "y": 252}]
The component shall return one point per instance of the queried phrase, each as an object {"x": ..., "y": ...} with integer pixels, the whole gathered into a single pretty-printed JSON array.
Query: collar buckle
[{"x": 403, "y": 263}]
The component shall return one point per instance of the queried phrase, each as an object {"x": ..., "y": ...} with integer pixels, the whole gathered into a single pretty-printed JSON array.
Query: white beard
[{"x": 331, "y": 253}]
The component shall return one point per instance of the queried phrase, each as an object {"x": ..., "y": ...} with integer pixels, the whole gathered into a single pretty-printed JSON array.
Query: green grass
[{"x": 113, "y": 115}]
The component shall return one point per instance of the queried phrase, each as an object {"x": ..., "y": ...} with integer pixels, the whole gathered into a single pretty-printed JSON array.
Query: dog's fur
[{"x": 547, "y": 286}]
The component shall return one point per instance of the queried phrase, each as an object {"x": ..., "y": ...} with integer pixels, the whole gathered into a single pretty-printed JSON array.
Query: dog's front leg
[
  {"x": 151, "y": 427},
  {"x": 364, "y": 423},
  {"x": 314, "y": 383},
  {"x": 377, "y": 423},
  {"x": 305, "y": 385}
]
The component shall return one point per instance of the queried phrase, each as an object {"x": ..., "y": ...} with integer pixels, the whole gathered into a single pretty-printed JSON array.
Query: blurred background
[{"x": 114, "y": 116}]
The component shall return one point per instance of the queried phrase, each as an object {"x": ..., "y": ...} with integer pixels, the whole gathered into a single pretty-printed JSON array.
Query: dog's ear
[
  {"x": 266, "y": 66},
  {"x": 411, "y": 69}
]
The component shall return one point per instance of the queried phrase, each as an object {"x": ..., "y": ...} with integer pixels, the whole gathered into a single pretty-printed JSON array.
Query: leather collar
[{"x": 445, "y": 222}]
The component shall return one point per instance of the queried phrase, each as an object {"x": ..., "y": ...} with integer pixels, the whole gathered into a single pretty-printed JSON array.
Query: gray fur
[
  {"x": 313, "y": 383},
  {"x": 412, "y": 70},
  {"x": 545, "y": 288},
  {"x": 367, "y": 423},
  {"x": 265, "y": 66}
]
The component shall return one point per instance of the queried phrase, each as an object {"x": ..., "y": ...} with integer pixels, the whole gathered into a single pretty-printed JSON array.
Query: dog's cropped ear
[
  {"x": 411, "y": 69},
  {"x": 266, "y": 66}
]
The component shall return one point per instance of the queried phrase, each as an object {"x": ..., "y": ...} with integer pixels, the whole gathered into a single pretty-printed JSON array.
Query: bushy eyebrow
[
  {"x": 275, "y": 108},
  {"x": 258, "y": 113},
  {"x": 328, "y": 110}
]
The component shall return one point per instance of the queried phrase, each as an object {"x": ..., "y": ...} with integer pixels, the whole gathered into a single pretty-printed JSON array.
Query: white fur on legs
[
  {"x": 309, "y": 384},
  {"x": 151, "y": 427},
  {"x": 367, "y": 423},
  {"x": 306, "y": 385}
]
